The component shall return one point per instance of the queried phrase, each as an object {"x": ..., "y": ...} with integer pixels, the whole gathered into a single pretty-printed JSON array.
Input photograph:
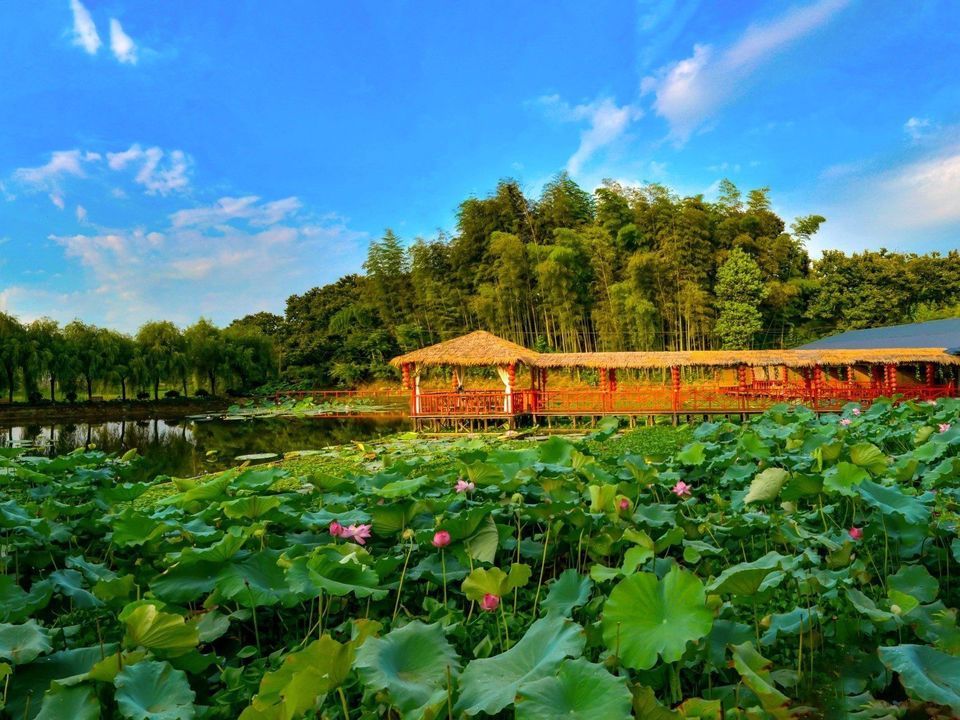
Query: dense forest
[
  {"x": 43, "y": 361},
  {"x": 626, "y": 268}
]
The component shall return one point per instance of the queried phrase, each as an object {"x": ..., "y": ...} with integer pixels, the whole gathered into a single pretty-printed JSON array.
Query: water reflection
[{"x": 185, "y": 447}]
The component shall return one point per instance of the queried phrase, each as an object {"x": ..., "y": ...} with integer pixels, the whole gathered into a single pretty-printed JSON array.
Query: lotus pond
[{"x": 792, "y": 566}]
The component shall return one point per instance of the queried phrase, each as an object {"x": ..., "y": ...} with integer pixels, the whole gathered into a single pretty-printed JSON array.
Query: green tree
[
  {"x": 14, "y": 351},
  {"x": 160, "y": 345},
  {"x": 206, "y": 350},
  {"x": 740, "y": 290},
  {"x": 51, "y": 360},
  {"x": 92, "y": 351}
]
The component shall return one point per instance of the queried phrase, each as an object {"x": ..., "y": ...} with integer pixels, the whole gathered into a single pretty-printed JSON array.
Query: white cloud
[
  {"x": 84, "y": 30},
  {"x": 160, "y": 172},
  {"x": 203, "y": 267},
  {"x": 918, "y": 129},
  {"x": 227, "y": 209},
  {"x": 122, "y": 45},
  {"x": 606, "y": 122},
  {"x": 57, "y": 199},
  {"x": 81, "y": 212},
  {"x": 689, "y": 92},
  {"x": 62, "y": 162}
]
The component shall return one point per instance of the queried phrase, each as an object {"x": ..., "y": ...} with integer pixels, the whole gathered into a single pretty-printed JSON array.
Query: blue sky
[{"x": 186, "y": 159}]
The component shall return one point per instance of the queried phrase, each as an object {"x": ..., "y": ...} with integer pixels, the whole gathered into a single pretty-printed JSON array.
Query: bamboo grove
[{"x": 624, "y": 268}]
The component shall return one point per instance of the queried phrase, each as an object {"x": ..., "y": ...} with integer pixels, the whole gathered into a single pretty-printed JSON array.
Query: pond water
[{"x": 182, "y": 448}]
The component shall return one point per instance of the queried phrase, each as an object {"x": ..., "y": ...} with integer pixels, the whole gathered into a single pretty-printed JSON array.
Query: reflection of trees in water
[{"x": 179, "y": 447}]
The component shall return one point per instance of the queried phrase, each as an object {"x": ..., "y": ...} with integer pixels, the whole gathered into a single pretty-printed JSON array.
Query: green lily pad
[
  {"x": 490, "y": 684},
  {"x": 302, "y": 680},
  {"x": 21, "y": 644},
  {"x": 645, "y": 617},
  {"x": 150, "y": 628},
  {"x": 412, "y": 664},
  {"x": 567, "y": 592},
  {"x": 747, "y": 578},
  {"x": 74, "y": 703},
  {"x": 581, "y": 690},
  {"x": 766, "y": 485},
  {"x": 926, "y": 673},
  {"x": 152, "y": 690}
]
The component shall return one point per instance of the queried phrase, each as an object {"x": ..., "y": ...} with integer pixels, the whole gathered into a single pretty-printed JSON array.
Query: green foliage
[{"x": 806, "y": 573}]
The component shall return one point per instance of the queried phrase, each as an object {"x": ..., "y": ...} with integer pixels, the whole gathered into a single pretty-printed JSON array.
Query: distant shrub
[
  {"x": 172, "y": 394},
  {"x": 143, "y": 395},
  {"x": 71, "y": 396},
  {"x": 34, "y": 397},
  {"x": 234, "y": 392},
  {"x": 201, "y": 393}
]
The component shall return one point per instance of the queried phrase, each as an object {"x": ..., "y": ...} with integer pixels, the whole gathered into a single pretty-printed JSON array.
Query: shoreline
[{"x": 109, "y": 410}]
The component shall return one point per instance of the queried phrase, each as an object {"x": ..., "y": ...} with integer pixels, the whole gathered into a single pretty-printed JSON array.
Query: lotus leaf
[
  {"x": 495, "y": 581},
  {"x": 766, "y": 485},
  {"x": 926, "y": 673},
  {"x": 580, "y": 690},
  {"x": 569, "y": 591},
  {"x": 69, "y": 703},
  {"x": 747, "y": 578},
  {"x": 302, "y": 680},
  {"x": 152, "y": 690},
  {"x": 755, "y": 671},
  {"x": 22, "y": 644},
  {"x": 490, "y": 684},
  {"x": 645, "y": 617},
  {"x": 150, "y": 628},
  {"x": 412, "y": 664}
]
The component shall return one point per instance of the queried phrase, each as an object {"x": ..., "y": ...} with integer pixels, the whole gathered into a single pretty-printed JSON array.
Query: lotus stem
[
  {"x": 443, "y": 574},
  {"x": 343, "y": 703},
  {"x": 506, "y": 630},
  {"x": 253, "y": 610},
  {"x": 543, "y": 565},
  {"x": 449, "y": 695},
  {"x": 403, "y": 574}
]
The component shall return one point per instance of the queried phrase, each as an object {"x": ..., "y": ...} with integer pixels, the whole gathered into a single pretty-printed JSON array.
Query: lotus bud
[
  {"x": 896, "y": 609},
  {"x": 407, "y": 534},
  {"x": 259, "y": 532},
  {"x": 788, "y": 506},
  {"x": 516, "y": 499},
  {"x": 441, "y": 538},
  {"x": 490, "y": 602},
  {"x": 714, "y": 602},
  {"x": 765, "y": 622}
]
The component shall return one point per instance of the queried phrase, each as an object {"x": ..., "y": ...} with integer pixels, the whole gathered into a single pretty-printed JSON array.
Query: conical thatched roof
[
  {"x": 481, "y": 348},
  {"x": 478, "y": 348}
]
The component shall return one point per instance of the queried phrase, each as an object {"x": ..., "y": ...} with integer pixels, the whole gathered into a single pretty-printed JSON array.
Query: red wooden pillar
[
  {"x": 931, "y": 374},
  {"x": 613, "y": 380},
  {"x": 675, "y": 381},
  {"x": 542, "y": 399},
  {"x": 511, "y": 384},
  {"x": 817, "y": 384},
  {"x": 850, "y": 376}
]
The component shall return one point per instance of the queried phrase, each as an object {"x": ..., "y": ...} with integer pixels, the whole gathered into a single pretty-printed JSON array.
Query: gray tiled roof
[{"x": 932, "y": 334}]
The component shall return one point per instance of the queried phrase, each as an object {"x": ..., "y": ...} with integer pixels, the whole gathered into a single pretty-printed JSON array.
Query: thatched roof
[
  {"x": 478, "y": 348},
  {"x": 481, "y": 348},
  {"x": 753, "y": 358}
]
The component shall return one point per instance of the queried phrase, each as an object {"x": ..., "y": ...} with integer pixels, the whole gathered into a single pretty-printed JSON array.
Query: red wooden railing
[{"x": 660, "y": 399}]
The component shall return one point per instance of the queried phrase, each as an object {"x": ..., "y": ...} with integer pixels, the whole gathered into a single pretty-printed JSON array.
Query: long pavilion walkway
[{"x": 675, "y": 384}]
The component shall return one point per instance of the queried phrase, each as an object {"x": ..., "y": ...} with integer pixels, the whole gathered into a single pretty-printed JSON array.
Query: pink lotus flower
[
  {"x": 857, "y": 411},
  {"x": 845, "y": 421},
  {"x": 855, "y": 533},
  {"x": 336, "y": 529},
  {"x": 681, "y": 489},
  {"x": 357, "y": 532},
  {"x": 441, "y": 538},
  {"x": 944, "y": 427},
  {"x": 931, "y": 402},
  {"x": 465, "y": 486},
  {"x": 490, "y": 602},
  {"x": 624, "y": 504}
]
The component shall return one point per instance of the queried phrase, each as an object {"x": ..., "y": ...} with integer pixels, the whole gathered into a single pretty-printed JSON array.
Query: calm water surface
[{"x": 183, "y": 447}]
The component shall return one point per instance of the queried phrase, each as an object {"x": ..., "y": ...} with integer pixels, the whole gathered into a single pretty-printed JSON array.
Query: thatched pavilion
[{"x": 675, "y": 383}]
